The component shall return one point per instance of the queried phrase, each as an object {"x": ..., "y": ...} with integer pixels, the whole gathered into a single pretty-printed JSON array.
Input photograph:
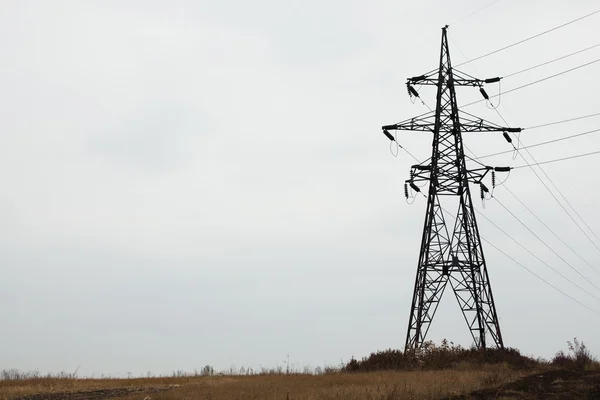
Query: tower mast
[{"x": 450, "y": 256}]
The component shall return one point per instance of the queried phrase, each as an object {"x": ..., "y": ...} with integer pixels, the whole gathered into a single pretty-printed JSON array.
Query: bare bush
[{"x": 579, "y": 356}]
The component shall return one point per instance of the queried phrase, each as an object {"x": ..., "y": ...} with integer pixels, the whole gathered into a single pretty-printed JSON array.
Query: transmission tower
[{"x": 452, "y": 255}]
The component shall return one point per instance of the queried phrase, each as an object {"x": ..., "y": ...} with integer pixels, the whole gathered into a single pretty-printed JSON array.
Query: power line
[
  {"x": 536, "y": 257},
  {"x": 403, "y": 148},
  {"x": 557, "y": 160},
  {"x": 473, "y": 13},
  {"x": 545, "y": 244},
  {"x": 579, "y": 216},
  {"x": 549, "y": 229},
  {"x": 534, "y": 82},
  {"x": 556, "y": 188},
  {"x": 519, "y": 142},
  {"x": 539, "y": 277},
  {"x": 551, "y": 76},
  {"x": 569, "y": 203},
  {"x": 543, "y": 143},
  {"x": 409, "y": 153},
  {"x": 563, "y": 121},
  {"x": 550, "y": 62},
  {"x": 529, "y": 38}
]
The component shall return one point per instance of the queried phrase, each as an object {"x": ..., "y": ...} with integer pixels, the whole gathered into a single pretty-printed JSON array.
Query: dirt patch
[
  {"x": 558, "y": 384},
  {"x": 98, "y": 394}
]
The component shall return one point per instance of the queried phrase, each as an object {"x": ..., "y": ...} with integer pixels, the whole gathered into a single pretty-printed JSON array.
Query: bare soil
[
  {"x": 99, "y": 394},
  {"x": 554, "y": 384}
]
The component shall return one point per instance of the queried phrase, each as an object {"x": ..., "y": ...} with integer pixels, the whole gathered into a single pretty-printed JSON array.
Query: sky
[{"x": 198, "y": 182}]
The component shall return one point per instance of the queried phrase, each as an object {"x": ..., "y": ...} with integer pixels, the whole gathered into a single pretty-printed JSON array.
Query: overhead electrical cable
[
  {"x": 409, "y": 153},
  {"x": 530, "y": 165},
  {"x": 565, "y": 198},
  {"x": 529, "y": 38},
  {"x": 395, "y": 139},
  {"x": 555, "y": 187},
  {"x": 557, "y": 160},
  {"x": 550, "y": 77},
  {"x": 551, "y": 61},
  {"x": 532, "y": 213},
  {"x": 473, "y": 13},
  {"x": 535, "y": 256},
  {"x": 475, "y": 160},
  {"x": 534, "y": 82},
  {"x": 539, "y": 277},
  {"x": 543, "y": 143},
  {"x": 546, "y": 244},
  {"x": 562, "y": 121},
  {"x": 550, "y": 229}
]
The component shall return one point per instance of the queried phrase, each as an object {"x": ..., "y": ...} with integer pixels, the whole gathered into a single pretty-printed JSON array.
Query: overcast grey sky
[{"x": 188, "y": 183}]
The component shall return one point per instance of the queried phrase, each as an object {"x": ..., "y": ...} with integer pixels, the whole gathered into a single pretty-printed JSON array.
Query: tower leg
[{"x": 429, "y": 289}]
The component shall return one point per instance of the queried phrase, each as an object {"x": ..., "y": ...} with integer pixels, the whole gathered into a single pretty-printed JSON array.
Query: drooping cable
[
  {"x": 535, "y": 256},
  {"x": 557, "y": 160},
  {"x": 394, "y": 148},
  {"x": 398, "y": 145},
  {"x": 562, "y": 121},
  {"x": 529, "y": 38},
  {"x": 567, "y": 201},
  {"x": 520, "y": 153},
  {"x": 543, "y": 143},
  {"x": 546, "y": 244},
  {"x": 475, "y": 160},
  {"x": 551, "y": 230},
  {"x": 473, "y": 13},
  {"x": 410, "y": 154},
  {"x": 539, "y": 277},
  {"x": 530, "y": 165},
  {"x": 551, "y": 61},
  {"x": 535, "y": 82},
  {"x": 547, "y": 225}
]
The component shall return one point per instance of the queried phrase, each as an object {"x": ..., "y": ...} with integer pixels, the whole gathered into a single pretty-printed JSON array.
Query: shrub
[
  {"x": 432, "y": 357},
  {"x": 208, "y": 370},
  {"x": 579, "y": 356}
]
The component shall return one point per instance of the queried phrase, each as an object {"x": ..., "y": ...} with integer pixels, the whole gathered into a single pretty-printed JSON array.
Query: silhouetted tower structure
[{"x": 453, "y": 255}]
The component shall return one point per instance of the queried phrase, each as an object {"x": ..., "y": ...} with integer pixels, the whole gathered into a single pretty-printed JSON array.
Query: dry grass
[
  {"x": 433, "y": 372},
  {"x": 388, "y": 385},
  {"x": 11, "y": 389}
]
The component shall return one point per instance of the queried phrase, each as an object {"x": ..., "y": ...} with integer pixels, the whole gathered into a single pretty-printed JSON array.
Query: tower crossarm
[
  {"x": 420, "y": 173},
  {"x": 426, "y": 123},
  {"x": 458, "y": 79}
]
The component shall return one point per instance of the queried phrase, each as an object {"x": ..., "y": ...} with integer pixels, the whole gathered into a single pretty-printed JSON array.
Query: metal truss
[{"x": 450, "y": 256}]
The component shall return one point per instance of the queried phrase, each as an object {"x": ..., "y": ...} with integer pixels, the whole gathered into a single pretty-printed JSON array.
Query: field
[
  {"x": 491, "y": 382},
  {"x": 437, "y": 372},
  {"x": 370, "y": 385}
]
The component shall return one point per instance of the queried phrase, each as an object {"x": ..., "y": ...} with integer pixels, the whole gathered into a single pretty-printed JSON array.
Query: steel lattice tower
[{"x": 453, "y": 255}]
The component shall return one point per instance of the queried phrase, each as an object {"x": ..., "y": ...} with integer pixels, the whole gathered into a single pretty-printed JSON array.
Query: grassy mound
[{"x": 433, "y": 357}]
